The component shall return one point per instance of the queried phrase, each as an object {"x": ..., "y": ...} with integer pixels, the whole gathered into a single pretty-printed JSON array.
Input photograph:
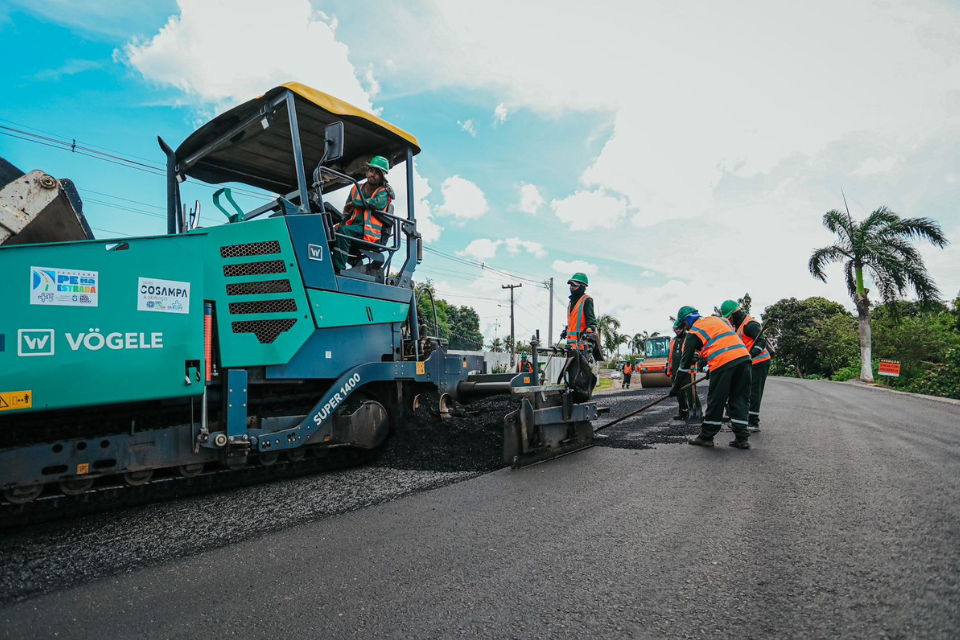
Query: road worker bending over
[
  {"x": 729, "y": 363},
  {"x": 748, "y": 329}
]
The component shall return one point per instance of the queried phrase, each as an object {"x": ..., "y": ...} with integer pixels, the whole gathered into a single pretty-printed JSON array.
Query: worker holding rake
[{"x": 729, "y": 362}]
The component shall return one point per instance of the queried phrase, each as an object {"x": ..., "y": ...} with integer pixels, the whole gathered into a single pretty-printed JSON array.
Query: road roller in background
[{"x": 656, "y": 351}]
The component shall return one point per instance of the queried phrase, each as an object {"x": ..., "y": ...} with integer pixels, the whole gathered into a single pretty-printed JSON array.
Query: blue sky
[{"x": 678, "y": 155}]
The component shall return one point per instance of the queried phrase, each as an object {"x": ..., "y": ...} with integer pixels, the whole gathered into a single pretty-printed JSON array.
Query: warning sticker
[
  {"x": 64, "y": 287},
  {"x": 13, "y": 400}
]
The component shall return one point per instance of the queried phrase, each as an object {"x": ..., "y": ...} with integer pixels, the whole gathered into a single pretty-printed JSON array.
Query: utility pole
[
  {"x": 549, "y": 285},
  {"x": 513, "y": 338}
]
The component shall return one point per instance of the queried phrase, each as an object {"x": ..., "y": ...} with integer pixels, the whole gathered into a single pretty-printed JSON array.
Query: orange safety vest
[
  {"x": 524, "y": 368},
  {"x": 669, "y": 367},
  {"x": 372, "y": 224},
  {"x": 627, "y": 369},
  {"x": 577, "y": 325},
  {"x": 764, "y": 355},
  {"x": 720, "y": 342}
]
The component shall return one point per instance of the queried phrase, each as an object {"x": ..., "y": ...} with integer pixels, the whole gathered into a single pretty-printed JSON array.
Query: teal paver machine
[{"x": 236, "y": 344}]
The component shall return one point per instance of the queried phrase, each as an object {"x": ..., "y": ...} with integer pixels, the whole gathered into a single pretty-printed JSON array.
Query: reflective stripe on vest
[
  {"x": 669, "y": 369},
  {"x": 576, "y": 325},
  {"x": 372, "y": 225},
  {"x": 627, "y": 370},
  {"x": 720, "y": 342},
  {"x": 764, "y": 355}
]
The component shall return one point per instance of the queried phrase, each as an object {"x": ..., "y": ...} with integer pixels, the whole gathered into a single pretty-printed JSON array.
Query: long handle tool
[{"x": 647, "y": 406}]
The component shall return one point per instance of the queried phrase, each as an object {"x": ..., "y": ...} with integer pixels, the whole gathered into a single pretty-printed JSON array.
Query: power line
[{"x": 71, "y": 146}]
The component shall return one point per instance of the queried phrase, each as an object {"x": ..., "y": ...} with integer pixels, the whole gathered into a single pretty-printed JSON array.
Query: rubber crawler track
[{"x": 106, "y": 498}]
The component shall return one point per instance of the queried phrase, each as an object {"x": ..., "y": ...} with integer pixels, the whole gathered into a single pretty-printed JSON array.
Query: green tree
[
  {"x": 881, "y": 244},
  {"x": 496, "y": 345},
  {"x": 608, "y": 326},
  {"x": 464, "y": 328},
  {"x": 637, "y": 341},
  {"x": 745, "y": 303},
  {"x": 787, "y": 321}
]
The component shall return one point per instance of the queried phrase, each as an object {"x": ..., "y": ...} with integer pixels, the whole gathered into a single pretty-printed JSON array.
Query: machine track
[{"x": 170, "y": 486}]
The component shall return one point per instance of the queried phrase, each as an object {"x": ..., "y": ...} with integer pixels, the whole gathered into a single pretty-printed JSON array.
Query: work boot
[
  {"x": 701, "y": 442},
  {"x": 681, "y": 416},
  {"x": 739, "y": 444}
]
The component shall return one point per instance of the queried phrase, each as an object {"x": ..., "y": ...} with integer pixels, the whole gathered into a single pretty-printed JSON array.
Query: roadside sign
[{"x": 890, "y": 368}]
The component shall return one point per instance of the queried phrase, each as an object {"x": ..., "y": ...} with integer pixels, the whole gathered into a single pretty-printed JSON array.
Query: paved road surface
[{"x": 843, "y": 521}]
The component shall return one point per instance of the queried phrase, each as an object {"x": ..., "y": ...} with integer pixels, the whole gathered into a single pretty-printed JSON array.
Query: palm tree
[
  {"x": 496, "y": 345},
  {"x": 637, "y": 341},
  {"x": 622, "y": 338},
  {"x": 607, "y": 325},
  {"x": 881, "y": 244}
]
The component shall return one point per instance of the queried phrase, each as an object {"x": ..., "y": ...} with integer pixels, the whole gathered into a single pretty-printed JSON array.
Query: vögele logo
[{"x": 35, "y": 342}]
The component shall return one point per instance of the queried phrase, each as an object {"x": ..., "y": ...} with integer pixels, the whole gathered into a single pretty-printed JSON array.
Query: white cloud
[
  {"x": 462, "y": 199},
  {"x": 423, "y": 209},
  {"x": 226, "y": 56},
  {"x": 500, "y": 114},
  {"x": 530, "y": 199},
  {"x": 467, "y": 125},
  {"x": 873, "y": 165},
  {"x": 482, "y": 249},
  {"x": 589, "y": 210},
  {"x": 69, "y": 68},
  {"x": 515, "y": 245},
  {"x": 574, "y": 266}
]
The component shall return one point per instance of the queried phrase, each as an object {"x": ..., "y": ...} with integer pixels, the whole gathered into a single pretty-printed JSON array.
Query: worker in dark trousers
[
  {"x": 748, "y": 329},
  {"x": 524, "y": 366},
  {"x": 627, "y": 373},
  {"x": 675, "y": 351},
  {"x": 581, "y": 331},
  {"x": 729, "y": 362}
]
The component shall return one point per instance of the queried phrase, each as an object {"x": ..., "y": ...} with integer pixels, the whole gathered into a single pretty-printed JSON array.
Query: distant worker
[
  {"x": 748, "y": 329},
  {"x": 627, "y": 372},
  {"x": 363, "y": 223},
  {"x": 581, "y": 330},
  {"x": 729, "y": 362},
  {"x": 524, "y": 366},
  {"x": 674, "y": 353}
]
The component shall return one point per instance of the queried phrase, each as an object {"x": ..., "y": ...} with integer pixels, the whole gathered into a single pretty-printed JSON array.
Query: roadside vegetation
[{"x": 818, "y": 338}]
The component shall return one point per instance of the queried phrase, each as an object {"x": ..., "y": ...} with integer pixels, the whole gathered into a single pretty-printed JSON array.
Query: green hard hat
[
  {"x": 523, "y": 356},
  {"x": 579, "y": 277},
  {"x": 683, "y": 313},
  {"x": 379, "y": 162},
  {"x": 728, "y": 307}
]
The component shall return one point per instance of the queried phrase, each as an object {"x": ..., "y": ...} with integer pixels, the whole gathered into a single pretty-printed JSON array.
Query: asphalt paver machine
[{"x": 237, "y": 344}]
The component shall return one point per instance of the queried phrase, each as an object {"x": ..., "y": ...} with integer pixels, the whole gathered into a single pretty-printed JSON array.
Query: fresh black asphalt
[{"x": 842, "y": 521}]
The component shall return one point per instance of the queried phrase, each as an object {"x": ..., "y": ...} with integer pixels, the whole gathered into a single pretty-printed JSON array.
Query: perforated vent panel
[
  {"x": 250, "y": 288},
  {"x": 251, "y": 249},
  {"x": 265, "y": 330},
  {"x": 254, "y": 268},
  {"x": 263, "y": 306}
]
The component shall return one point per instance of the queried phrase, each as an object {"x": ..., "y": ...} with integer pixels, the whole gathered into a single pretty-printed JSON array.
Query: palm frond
[
  {"x": 917, "y": 229},
  {"x": 851, "y": 278},
  {"x": 822, "y": 257}
]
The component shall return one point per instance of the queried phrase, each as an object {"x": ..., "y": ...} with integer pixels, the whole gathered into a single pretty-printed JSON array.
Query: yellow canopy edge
[{"x": 339, "y": 107}]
